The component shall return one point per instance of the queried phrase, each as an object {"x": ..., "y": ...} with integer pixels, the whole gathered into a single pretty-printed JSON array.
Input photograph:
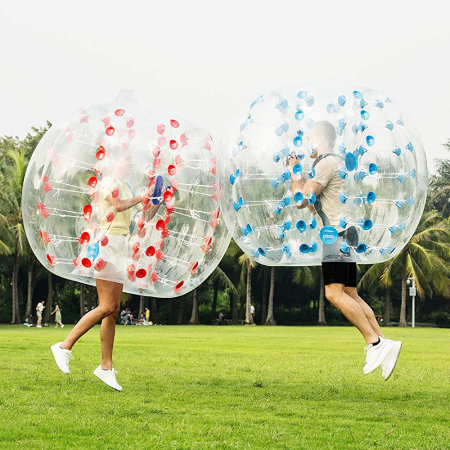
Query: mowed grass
[{"x": 205, "y": 387}]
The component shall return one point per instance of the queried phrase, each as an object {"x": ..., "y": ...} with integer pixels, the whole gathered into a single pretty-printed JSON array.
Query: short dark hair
[{"x": 325, "y": 129}]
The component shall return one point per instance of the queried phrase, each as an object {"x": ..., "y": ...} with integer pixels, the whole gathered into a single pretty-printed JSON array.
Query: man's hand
[{"x": 292, "y": 161}]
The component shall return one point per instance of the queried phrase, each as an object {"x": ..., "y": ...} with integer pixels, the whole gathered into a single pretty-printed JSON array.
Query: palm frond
[
  {"x": 221, "y": 277},
  {"x": 303, "y": 275}
]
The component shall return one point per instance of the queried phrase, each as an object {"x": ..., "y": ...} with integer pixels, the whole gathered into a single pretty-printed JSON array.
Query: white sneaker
[
  {"x": 62, "y": 357},
  {"x": 390, "y": 361},
  {"x": 38, "y": 326},
  {"x": 376, "y": 354},
  {"x": 62, "y": 326},
  {"x": 108, "y": 377}
]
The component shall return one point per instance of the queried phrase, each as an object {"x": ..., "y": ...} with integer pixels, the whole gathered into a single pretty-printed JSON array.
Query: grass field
[{"x": 199, "y": 387}]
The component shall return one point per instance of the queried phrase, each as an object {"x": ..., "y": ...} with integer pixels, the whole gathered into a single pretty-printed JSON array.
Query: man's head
[{"x": 321, "y": 138}]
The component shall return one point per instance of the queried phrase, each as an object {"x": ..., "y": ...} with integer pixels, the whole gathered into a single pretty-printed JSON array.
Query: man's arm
[{"x": 310, "y": 187}]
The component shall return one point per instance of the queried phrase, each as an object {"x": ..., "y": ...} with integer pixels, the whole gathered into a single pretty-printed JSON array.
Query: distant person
[
  {"x": 222, "y": 316},
  {"x": 57, "y": 313},
  {"x": 252, "y": 311},
  {"x": 122, "y": 317},
  {"x": 338, "y": 269},
  {"x": 39, "y": 308},
  {"x": 130, "y": 320},
  {"x": 147, "y": 315}
]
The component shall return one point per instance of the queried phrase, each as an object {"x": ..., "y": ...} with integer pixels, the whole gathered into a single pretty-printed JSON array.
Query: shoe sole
[
  {"x": 395, "y": 363},
  {"x": 378, "y": 365},
  {"x": 53, "y": 351}
]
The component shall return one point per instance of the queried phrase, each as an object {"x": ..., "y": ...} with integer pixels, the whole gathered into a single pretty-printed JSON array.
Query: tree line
[{"x": 282, "y": 295}]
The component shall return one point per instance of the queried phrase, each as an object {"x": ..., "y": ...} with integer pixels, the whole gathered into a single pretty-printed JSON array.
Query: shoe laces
[{"x": 67, "y": 357}]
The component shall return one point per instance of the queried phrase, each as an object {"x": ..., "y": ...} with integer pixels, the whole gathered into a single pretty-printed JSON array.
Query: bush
[{"x": 441, "y": 318}]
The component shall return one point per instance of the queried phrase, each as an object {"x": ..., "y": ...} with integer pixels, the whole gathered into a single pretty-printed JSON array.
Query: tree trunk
[
  {"x": 403, "y": 304},
  {"x": 248, "y": 301},
  {"x": 214, "y": 302},
  {"x": 234, "y": 309},
  {"x": 49, "y": 304},
  {"x": 180, "y": 311},
  {"x": 170, "y": 320},
  {"x": 264, "y": 299},
  {"x": 322, "y": 320},
  {"x": 241, "y": 314},
  {"x": 154, "y": 310},
  {"x": 81, "y": 299},
  {"x": 30, "y": 288},
  {"x": 270, "y": 319},
  {"x": 141, "y": 305},
  {"x": 15, "y": 290},
  {"x": 387, "y": 307},
  {"x": 89, "y": 298},
  {"x": 194, "y": 315}
]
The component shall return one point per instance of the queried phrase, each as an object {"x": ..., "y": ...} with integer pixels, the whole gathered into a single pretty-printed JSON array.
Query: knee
[
  {"x": 333, "y": 294},
  {"x": 115, "y": 312},
  {"x": 109, "y": 311},
  {"x": 351, "y": 292}
]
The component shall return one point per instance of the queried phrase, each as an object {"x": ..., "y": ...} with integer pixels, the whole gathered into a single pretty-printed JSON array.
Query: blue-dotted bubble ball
[{"x": 316, "y": 174}]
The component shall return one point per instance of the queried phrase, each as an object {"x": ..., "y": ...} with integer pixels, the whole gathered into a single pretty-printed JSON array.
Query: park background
[
  {"x": 189, "y": 387},
  {"x": 201, "y": 60}
]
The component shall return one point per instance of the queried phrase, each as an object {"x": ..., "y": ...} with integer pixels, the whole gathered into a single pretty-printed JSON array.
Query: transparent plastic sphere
[
  {"x": 126, "y": 194},
  {"x": 322, "y": 174}
]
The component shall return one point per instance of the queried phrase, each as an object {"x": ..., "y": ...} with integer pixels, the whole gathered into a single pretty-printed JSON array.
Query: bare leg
[
  {"x": 108, "y": 329},
  {"x": 39, "y": 320},
  {"x": 351, "y": 310},
  {"x": 106, "y": 295},
  {"x": 368, "y": 312}
]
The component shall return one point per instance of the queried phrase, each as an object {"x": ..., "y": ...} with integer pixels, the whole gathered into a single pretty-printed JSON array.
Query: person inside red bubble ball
[{"x": 110, "y": 268}]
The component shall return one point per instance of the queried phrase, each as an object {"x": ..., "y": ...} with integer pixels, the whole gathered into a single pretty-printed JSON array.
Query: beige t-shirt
[
  {"x": 122, "y": 220},
  {"x": 327, "y": 174}
]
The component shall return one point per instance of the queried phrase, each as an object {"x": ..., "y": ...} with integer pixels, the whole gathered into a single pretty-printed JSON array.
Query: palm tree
[
  {"x": 194, "y": 315},
  {"x": 82, "y": 300},
  {"x": 306, "y": 277},
  {"x": 440, "y": 186},
  {"x": 263, "y": 278},
  {"x": 220, "y": 280},
  {"x": 270, "y": 320},
  {"x": 247, "y": 264},
  {"x": 321, "y": 320},
  {"x": 234, "y": 273},
  {"x": 12, "y": 240},
  {"x": 424, "y": 257}
]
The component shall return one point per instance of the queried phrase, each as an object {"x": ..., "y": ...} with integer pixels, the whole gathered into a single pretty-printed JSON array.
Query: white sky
[{"x": 202, "y": 59}]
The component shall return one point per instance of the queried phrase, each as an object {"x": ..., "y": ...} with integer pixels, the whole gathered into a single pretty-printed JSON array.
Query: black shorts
[{"x": 339, "y": 272}]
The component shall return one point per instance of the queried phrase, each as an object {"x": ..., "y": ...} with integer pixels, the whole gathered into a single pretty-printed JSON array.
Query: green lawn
[{"x": 205, "y": 387}]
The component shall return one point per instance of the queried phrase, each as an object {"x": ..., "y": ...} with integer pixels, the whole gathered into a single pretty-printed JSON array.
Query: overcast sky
[{"x": 201, "y": 59}]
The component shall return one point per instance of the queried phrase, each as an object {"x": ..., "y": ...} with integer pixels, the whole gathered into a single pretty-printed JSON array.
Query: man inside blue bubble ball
[{"x": 339, "y": 272}]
